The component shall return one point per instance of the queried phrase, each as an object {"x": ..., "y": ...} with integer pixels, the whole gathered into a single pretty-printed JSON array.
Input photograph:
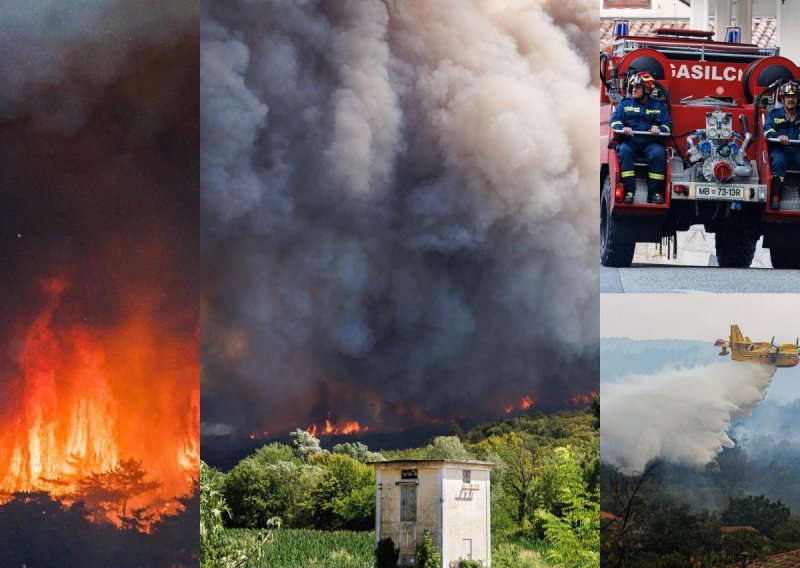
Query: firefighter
[
  {"x": 783, "y": 124},
  {"x": 642, "y": 113}
]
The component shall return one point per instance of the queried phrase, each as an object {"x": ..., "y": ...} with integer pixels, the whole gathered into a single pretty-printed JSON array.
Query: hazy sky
[
  {"x": 706, "y": 317},
  {"x": 700, "y": 316}
]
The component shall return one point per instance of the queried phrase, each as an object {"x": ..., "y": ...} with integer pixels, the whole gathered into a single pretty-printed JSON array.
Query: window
[
  {"x": 467, "y": 476},
  {"x": 408, "y": 474}
]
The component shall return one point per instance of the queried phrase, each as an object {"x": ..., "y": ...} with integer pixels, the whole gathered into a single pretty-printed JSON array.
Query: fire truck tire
[
  {"x": 612, "y": 252},
  {"x": 735, "y": 248},
  {"x": 784, "y": 258}
]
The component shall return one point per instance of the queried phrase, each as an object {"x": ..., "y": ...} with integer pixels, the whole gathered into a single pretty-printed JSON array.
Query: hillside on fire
[
  {"x": 700, "y": 457},
  {"x": 99, "y": 299},
  {"x": 298, "y": 504}
]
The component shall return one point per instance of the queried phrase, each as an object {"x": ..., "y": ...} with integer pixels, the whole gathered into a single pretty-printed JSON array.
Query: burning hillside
[
  {"x": 396, "y": 223},
  {"x": 99, "y": 335}
]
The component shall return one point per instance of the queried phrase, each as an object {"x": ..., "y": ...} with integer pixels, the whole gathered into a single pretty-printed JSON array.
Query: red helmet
[
  {"x": 788, "y": 88},
  {"x": 643, "y": 79}
]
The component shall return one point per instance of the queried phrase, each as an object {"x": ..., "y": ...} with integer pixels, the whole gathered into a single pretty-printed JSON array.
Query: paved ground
[{"x": 650, "y": 278}]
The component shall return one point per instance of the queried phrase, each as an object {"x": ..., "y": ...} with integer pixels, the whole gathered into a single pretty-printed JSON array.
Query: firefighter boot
[
  {"x": 655, "y": 191},
  {"x": 629, "y": 185},
  {"x": 776, "y": 188}
]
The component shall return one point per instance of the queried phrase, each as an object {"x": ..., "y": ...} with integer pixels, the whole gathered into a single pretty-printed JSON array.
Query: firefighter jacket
[
  {"x": 778, "y": 124},
  {"x": 641, "y": 116}
]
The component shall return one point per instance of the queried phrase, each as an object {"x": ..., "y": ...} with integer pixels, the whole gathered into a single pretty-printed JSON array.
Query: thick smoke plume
[
  {"x": 679, "y": 416},
  {"x": 398, "y": 209}
]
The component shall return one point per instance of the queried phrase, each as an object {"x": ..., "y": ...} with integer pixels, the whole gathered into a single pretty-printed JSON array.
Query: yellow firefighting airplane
[{"x": 744, "y": 349}]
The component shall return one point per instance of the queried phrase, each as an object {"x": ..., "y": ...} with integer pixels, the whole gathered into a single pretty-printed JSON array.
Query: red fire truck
[{"x": 718, "y": 173}]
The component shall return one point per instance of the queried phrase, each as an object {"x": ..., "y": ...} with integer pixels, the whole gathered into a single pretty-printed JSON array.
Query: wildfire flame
[
  {"x": 84, "y": 400},
  {"x": 526, "y": 402},
  {"x": 583, "y": 398},
  {"x": 350, "y": 427}
]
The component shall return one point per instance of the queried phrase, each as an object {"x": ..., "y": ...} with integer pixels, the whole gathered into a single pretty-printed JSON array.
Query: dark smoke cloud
[{"x": 398, "y": 209}]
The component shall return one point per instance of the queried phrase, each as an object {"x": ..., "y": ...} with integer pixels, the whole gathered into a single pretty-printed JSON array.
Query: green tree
[
  {"x": 756, "y": 511},
  {"x": 256, "y": 492},
  {"x": 575, "y": 536},
  {"x": 519, "y": 475},
  {"x": 447, "y": 448},
  {"x": 344, "y": 497},
  {"x": 304, "y": 444},
  {"x": 426, "y": 554},
  {"x": 357, "y": 451}
]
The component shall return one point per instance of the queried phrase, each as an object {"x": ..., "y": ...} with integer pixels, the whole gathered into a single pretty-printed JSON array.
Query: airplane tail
[{"x": 737, "y": 339}]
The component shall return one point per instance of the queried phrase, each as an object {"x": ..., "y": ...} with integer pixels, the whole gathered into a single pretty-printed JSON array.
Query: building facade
[{"x": 450, "y": 499}]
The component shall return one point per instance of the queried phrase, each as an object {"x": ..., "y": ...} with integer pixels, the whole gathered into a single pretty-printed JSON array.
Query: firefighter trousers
[
  {"x": 653, "y": 152},
  {"x": 782, "y": 158}
]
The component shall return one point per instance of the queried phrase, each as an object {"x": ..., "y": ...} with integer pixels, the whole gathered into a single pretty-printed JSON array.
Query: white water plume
[{"x": 680, "y": 416}]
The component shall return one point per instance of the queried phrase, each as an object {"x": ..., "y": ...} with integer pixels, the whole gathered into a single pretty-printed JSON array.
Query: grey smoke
[
  {"x": 59, "y": 55},
  {"x": 679, "y": 416},
  {"x": 398, "y": 204}
]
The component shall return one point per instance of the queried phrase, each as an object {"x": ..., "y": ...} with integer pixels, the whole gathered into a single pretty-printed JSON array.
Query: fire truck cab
[{"x": 718, "y": 170}]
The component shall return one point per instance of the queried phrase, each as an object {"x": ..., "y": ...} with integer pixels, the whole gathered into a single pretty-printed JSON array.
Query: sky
[{"x": 707, "y": 317}]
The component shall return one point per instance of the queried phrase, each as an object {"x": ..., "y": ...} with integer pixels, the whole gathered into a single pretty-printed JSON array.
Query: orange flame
[
  {"x": 87, "y": 400},
  {"x": 583, "y": 398},
  {"x": 526, "y": 402},
  {"x": 351, "y": 427},
  {"x": 509, "y": 409}
]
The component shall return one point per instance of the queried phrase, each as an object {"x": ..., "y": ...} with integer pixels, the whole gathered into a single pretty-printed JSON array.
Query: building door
[
  {"x": 466, "y": 549},
  {"x": 408, "y": 522},
  {"x": 408, "y": 503}
]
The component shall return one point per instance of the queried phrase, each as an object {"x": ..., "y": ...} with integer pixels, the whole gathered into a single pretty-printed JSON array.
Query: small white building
[{"x": 448, "y": 498}]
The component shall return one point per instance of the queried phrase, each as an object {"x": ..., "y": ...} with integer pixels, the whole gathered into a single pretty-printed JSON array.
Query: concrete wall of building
[
  {"x": 450, "y": 509},
  {"x": 789, "y": 29},
  {"x": 465, "y": 515},
  {"x": 404, "y": 534},
  {"x": 677, "y": 9},
  {"x": 659, "y": 9}
]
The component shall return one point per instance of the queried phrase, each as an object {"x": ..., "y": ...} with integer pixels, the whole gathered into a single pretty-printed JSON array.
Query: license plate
[{"x": 719, "y": 192}]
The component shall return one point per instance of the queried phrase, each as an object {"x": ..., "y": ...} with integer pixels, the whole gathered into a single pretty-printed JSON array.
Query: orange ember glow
[
  {"x": 351, "y": 427},
  {"x": 85, "y": 399},
  {"x": 583, "y": 398},
  {"x": 526, "y": 402},
  {"x": 508, "y": 409}
]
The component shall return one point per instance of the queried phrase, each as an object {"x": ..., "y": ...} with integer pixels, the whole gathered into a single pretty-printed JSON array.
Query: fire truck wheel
[
  {"x": 784, "y": 258},
  {"x": 735, "y": 248},
  {"x": 612, "y": 252}
]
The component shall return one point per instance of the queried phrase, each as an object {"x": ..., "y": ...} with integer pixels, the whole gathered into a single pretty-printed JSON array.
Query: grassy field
[
  {"x": 518, "y": 553},
  {"x": 314, "y": 549},
  {"x": 324, "y": 549}
]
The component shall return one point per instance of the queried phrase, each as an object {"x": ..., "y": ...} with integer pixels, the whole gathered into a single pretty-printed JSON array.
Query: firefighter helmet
[
  {"x": 789, "y": 88},
  {"x": 643, "y": 79}
]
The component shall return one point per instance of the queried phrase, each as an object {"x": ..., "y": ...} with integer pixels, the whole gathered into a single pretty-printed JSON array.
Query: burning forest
[
  {"x": 393, "y": 233},
  {"x": 99, "y": 331}
]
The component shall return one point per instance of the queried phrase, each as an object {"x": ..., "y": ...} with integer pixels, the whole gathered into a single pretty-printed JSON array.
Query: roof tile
[{"x": 764, "y": 31}]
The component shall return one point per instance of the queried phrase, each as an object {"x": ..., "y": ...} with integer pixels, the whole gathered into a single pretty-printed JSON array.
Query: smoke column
[
  {"x": 397, "y": 208},
  {"x": 679, "y": 416}
]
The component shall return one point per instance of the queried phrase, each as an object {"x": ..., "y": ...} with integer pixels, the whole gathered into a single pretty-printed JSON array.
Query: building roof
[
  {"x": 789, "y": 559},
  {"x": 733, "y": 529},
  {"x": 418, "y": 462},
  {"x": 765, "y": 30}
]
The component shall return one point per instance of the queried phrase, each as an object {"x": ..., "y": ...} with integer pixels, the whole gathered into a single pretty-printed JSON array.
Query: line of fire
[{"x": 99, "y": 323}]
